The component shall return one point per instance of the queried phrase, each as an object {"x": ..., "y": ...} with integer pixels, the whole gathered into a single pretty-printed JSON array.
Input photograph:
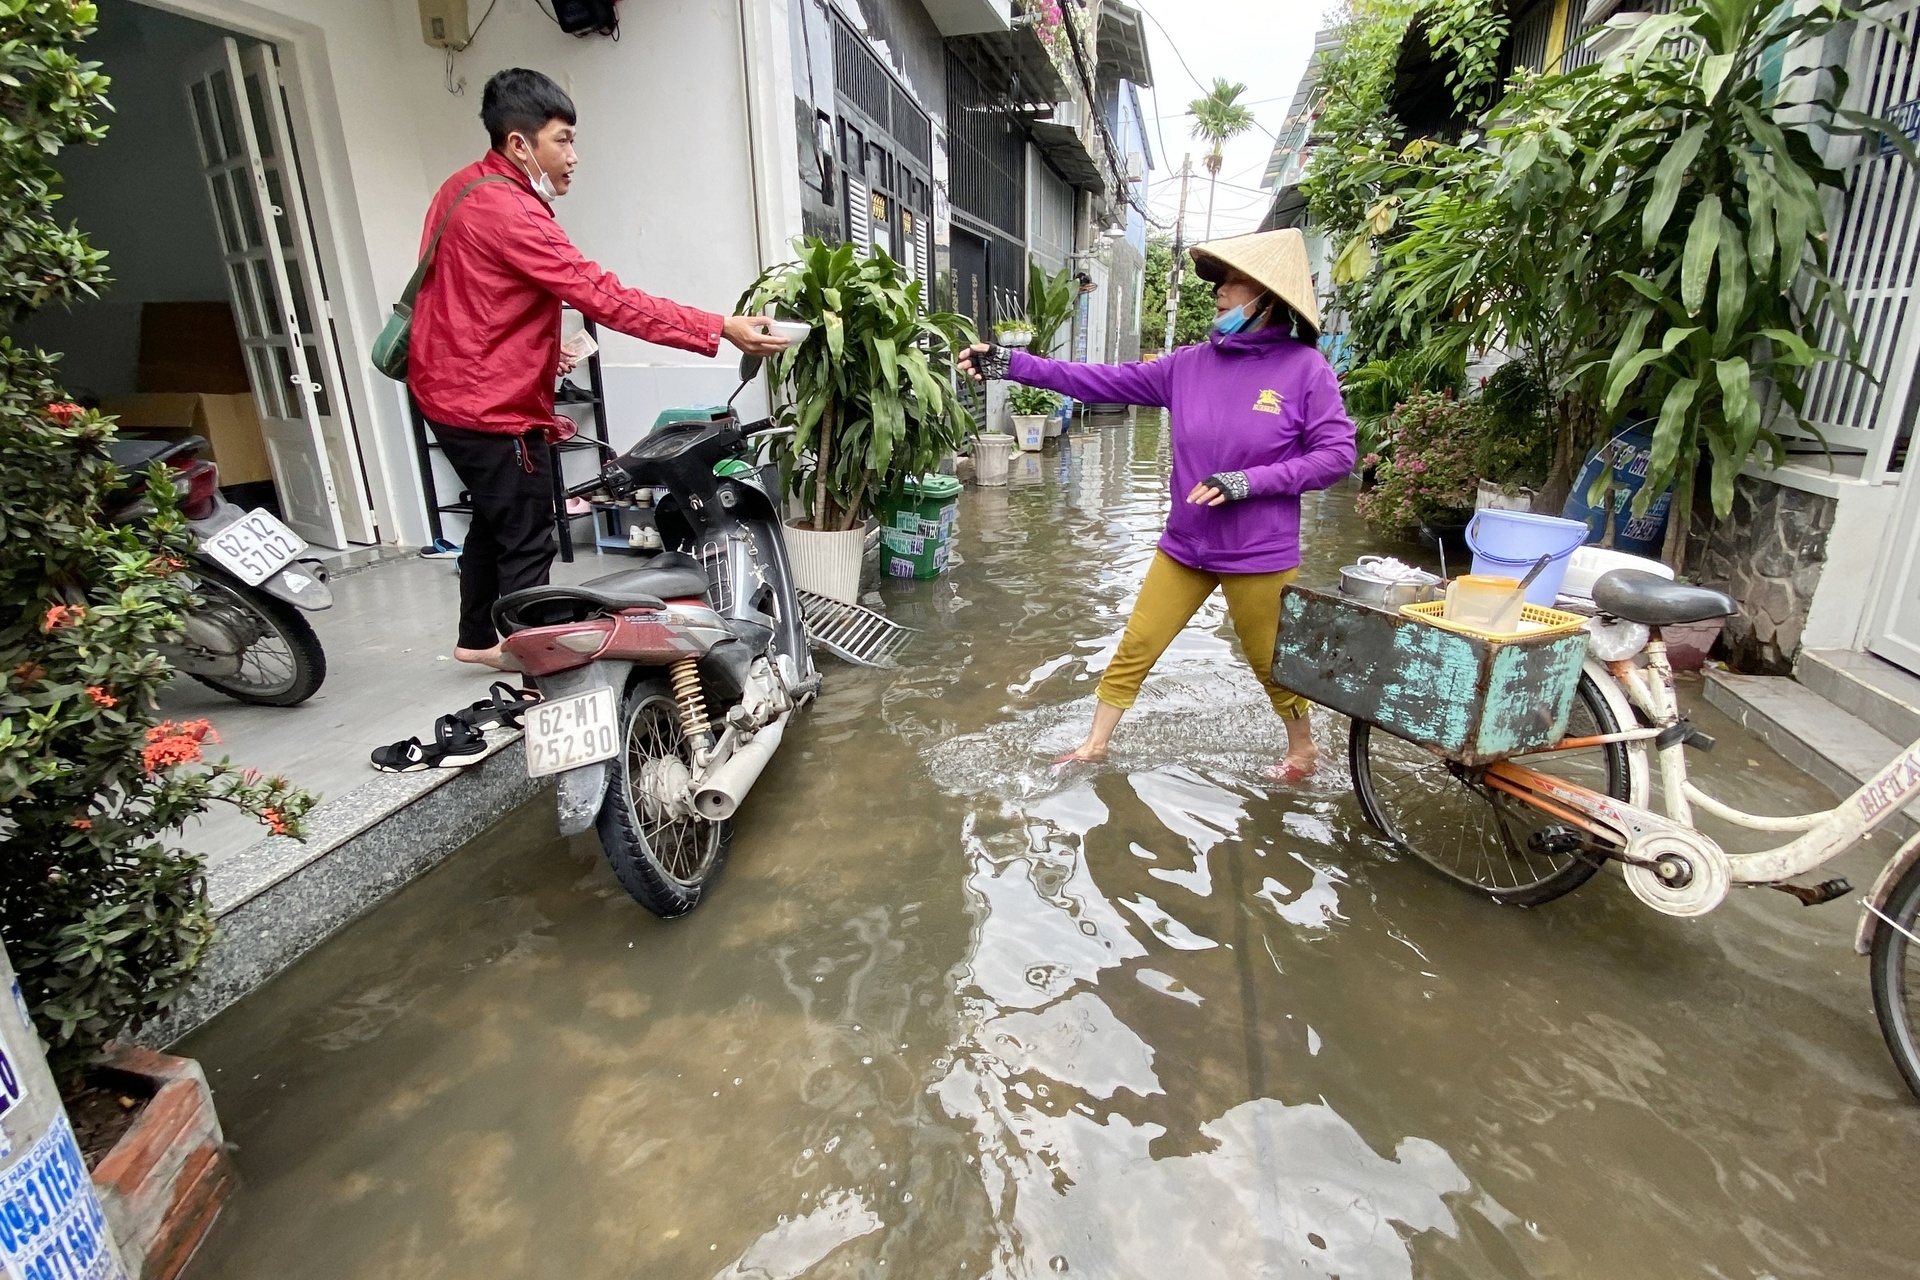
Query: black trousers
[{"x": 509, "y": 544}]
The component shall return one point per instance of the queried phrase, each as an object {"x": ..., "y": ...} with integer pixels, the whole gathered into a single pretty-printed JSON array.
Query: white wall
[{"x": 664, "y": 195}]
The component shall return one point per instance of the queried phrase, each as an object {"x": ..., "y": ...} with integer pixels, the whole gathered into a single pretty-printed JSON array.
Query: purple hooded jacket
[{"x": 1264, "y": 403}]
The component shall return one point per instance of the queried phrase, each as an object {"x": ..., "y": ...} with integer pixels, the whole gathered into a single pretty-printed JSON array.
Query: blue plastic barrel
[{"x": 1509, "y": 543}]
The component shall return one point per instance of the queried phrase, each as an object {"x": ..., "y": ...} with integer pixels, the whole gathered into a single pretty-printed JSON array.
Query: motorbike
[
  {"x": 247, "y": 638},
  {"x": 666, "y": 688}
]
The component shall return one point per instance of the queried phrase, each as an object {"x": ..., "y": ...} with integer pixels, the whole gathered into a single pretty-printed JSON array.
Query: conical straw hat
[{"x": 1276, "y": 259}]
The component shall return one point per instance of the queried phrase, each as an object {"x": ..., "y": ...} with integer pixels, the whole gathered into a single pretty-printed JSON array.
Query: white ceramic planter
[
  {"x": 1030, "y": 429},
  {"x": 827, "y": 564},
  {"x": 991, "y": 453}
]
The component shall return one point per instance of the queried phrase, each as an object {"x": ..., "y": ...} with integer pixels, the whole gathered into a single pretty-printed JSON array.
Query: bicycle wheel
[
  {"x": 1445, "y": 815},
  {"x": 1895, "y": 967}
]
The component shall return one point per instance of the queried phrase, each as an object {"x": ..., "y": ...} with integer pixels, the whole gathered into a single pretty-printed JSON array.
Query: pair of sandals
[{"x": 459, "y": 739}]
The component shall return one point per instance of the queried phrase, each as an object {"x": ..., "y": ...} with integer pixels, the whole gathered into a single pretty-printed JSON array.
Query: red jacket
[{"x": 486, "y": 324}]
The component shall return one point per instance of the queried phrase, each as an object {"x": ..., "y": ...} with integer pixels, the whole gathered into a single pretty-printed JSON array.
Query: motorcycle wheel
[
  {"x": 664, "y": 856},
  {"x": 283, "y": 664}
]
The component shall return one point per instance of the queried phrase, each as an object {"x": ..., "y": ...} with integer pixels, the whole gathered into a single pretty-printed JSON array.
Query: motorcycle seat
[
  {"x": 1654, "y": 601},
  {"x": 137, "y": 455},
  {"x": 669, "y": 575}
]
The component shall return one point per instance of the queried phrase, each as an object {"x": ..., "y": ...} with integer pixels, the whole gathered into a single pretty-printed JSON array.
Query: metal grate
[
  {"x": 986, "y": 155},
  {"x": 715, "y": 558},
  {"x": 911, "y": 127},
  {"x": 857, "y": 72},
  {"x": 851, "y": 633}
]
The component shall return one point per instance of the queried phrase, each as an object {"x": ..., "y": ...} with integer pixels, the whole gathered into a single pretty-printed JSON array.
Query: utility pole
[{"x": 1178, "y": 268}]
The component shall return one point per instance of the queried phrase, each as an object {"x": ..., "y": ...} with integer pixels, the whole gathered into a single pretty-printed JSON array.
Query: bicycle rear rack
[{"x": 852, "y": 633}]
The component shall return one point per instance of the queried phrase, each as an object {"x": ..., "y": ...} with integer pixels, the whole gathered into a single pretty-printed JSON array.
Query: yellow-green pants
[{"x": 1170, "y": 597}]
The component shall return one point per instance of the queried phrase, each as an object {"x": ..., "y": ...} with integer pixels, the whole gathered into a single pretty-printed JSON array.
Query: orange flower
[
  {"x": 275, "y": 823},
  {"x": 29, "y": 672},
  {"x": 64, "y": 413},
  {"x": 83, "y": 824},
  {"x": 170, "y": 743},
  {"x": 59, "y": 615},
  {"x": 101, "y": 697}
]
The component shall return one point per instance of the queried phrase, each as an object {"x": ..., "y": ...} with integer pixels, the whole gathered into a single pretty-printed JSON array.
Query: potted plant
[
  {"x": 1015, "y": 331},
  {"x": 869, "y": 394},
  {"x": 1031, "y": 408},
  {"x": 1426, "y": 488}
]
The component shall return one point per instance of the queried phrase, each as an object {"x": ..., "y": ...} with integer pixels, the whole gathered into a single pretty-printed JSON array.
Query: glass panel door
[{"x": 265, "y": 304}]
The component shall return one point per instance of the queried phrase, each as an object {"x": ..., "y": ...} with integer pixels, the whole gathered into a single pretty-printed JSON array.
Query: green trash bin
[{"x": 916, "y": 533}]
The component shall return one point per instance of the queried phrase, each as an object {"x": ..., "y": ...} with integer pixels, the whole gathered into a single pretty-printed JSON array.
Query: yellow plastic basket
[{"x": 1547, "y": 622}]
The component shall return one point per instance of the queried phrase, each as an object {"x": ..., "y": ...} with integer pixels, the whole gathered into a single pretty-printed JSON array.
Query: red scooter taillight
[{"x": 198, "y": 487}]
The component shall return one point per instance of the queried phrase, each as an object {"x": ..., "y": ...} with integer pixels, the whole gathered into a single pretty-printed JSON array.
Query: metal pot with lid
[{"x": 1370, "y": 582}]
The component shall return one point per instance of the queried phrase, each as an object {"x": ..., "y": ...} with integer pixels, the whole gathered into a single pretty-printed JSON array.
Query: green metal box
[{"x": 1476, "y": 700}]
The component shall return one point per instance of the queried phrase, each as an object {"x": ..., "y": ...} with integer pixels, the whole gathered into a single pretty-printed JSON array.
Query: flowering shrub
[
  {"x": 104, "y": 920},
  {"x": 1430, "y": 476}
]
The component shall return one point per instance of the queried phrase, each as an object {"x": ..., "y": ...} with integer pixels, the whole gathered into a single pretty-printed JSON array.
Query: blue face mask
[{"x": 1233, "y": 321}]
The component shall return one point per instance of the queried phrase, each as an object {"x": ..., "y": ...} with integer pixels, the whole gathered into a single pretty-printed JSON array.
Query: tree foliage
[
  {"x": 1196, "y": 299},
  {"x": 105, "y": 920},
  {"x": 1650, "y": 229},
  {"x": 870, "y": 392}
]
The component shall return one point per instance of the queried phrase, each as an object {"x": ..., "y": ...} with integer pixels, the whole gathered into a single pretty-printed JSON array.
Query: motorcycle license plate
[
  {"x": 254, "y": 547},
  {"x": 570, "y": 732}
]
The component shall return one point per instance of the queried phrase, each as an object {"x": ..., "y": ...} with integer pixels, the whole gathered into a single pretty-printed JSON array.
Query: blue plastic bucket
[{"x": 1509, "y": 543}]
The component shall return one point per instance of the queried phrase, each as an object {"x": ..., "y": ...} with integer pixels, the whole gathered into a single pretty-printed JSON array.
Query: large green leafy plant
[
  {"x": 870, "y": 392},
  {"x": 1649, "y": 230},
  {"x": 1050, "y": 302},
  {"x": 104, "y": 919}
]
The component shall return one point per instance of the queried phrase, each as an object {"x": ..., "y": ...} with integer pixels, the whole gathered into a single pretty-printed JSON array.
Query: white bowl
[{"x": 794, "y": 331}]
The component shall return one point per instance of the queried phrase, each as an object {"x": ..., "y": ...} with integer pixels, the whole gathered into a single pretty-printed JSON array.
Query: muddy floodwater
[{"x": 949, "y": 1014}]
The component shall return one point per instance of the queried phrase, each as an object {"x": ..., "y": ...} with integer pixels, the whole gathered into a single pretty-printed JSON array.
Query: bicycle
[{"x": 1536, "y": 826}]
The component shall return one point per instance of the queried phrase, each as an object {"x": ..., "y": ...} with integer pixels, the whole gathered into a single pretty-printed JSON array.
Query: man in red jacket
[{"x": 485, "y": 349}]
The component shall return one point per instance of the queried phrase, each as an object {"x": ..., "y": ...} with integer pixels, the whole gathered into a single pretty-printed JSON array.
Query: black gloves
[
  {"x": 993, "y": 362},
  {"x": 1232, "y": 483}
]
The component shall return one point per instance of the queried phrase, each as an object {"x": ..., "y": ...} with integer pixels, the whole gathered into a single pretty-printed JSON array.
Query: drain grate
[{"x": 851, "y": 633}]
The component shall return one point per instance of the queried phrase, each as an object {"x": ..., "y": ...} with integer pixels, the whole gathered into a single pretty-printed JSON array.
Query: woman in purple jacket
[{"x": 1257, "y": 421}]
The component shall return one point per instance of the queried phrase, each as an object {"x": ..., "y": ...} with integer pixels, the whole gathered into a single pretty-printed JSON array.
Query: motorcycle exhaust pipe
[{"x": 720, "y": 796}]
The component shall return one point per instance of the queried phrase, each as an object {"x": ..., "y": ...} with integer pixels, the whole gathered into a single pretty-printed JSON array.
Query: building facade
[{"x": 278, "y": 156}]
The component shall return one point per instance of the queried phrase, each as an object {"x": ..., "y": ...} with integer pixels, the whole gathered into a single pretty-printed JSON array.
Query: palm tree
[{"x": 1217, "y": 118}]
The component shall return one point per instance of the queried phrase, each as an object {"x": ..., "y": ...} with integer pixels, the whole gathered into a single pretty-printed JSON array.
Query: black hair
[{"x": 521, "y": 101}]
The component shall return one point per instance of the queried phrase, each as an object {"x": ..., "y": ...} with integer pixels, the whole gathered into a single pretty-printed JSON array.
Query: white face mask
[{"x": 542, "y": 184}]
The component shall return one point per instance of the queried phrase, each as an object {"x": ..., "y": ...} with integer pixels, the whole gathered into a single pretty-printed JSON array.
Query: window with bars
[{"x": 986, "y": 156}]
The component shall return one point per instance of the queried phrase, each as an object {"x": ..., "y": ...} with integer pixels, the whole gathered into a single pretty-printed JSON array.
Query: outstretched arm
[{"x": 1138, "y": 383}]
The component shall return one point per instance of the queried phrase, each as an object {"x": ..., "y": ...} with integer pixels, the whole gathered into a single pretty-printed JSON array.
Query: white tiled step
[{"x": 1860, "y": 684}]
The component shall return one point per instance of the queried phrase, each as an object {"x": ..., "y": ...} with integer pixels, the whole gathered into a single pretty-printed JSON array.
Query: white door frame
[
  {"x": 381, "y": 418},
  {"x": 1897, "y": 577}
]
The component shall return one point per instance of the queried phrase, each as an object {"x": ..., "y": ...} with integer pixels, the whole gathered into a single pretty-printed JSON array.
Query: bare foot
[
  {"x": 1083, "y": 754},
  {"x": 1296, "y": 767},
  {"x": 491, "y": 657}
]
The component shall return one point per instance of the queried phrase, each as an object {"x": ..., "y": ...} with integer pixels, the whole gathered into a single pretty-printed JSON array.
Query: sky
[{"x": 1263, "y": 44}]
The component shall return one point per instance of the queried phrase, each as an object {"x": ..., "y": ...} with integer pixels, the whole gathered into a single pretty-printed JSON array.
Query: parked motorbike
[
  {"x": 667, "y": 687},
  {"x": 247, "y": 638}
]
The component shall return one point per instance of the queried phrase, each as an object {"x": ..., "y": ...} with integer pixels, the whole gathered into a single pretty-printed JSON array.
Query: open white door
[
  {"x": 1896, "y": 627},
  {"x": 287, "y": 192},
  {"x": 261, "y": 288}
]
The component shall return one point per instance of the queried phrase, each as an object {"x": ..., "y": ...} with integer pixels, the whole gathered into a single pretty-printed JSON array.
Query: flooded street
[{"x": 949, "y": 1014}]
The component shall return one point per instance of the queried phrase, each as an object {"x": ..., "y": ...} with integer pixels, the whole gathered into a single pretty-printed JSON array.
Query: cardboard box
[
  {"x": 190, "y": 346},
  {"x": 230, "y": 423}
]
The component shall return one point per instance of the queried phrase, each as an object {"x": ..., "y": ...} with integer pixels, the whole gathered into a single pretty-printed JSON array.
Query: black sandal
[
  {"x": 503, "y": 705},
  {"x": 455, "y": 744}
]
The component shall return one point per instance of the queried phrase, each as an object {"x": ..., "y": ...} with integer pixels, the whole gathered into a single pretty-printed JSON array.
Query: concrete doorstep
[{"x": 388, "y": 640}]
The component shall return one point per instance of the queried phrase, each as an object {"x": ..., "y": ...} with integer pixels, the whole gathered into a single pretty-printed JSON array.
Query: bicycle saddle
[{"x": 1653, "y": 601}]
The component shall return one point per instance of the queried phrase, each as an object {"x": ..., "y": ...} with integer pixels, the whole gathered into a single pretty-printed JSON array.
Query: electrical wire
[{"x": 461, "y": 87}]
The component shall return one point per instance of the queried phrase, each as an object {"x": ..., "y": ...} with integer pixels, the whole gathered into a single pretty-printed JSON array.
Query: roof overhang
[
  {"x": 1289, "y": 209},
  {"x": 1067, "y": 152},
  {"x": 1123, "y": 45},
  {"x": 969, "y": 17}
]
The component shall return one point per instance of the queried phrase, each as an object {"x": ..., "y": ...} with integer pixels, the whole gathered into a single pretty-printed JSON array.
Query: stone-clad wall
[{"x": 1768, "y": 554}]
